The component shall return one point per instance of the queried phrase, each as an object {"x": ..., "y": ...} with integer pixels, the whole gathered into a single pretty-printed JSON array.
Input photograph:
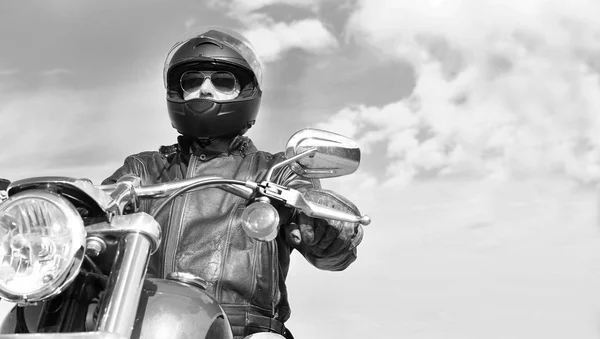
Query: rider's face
[{"x": 208, "y": 90}]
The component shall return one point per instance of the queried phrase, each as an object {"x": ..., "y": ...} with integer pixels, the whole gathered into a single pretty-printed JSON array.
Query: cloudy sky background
[{"x": 478, "y": 120}]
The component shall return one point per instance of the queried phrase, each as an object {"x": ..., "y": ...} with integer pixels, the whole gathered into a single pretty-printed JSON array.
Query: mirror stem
[{"x": 289, "y": 161}]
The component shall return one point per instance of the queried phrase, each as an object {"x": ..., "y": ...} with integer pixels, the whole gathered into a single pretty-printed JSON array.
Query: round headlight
[{"x": 42, "y": 243}]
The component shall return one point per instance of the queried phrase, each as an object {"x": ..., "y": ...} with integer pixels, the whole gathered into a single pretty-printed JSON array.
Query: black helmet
[{"x": 217, "y": 49}]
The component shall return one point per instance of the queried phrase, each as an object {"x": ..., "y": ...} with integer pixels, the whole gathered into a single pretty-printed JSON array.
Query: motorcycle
[{"x": 75, "y": 255}]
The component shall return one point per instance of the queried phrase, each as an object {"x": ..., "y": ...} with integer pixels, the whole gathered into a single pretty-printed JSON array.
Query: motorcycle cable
[
  {"x": 175, "y": 194},
  {"x": 93, "y": 265}
]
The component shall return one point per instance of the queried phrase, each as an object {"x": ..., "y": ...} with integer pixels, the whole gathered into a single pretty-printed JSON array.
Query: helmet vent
[{"x": 207, "y": 44}]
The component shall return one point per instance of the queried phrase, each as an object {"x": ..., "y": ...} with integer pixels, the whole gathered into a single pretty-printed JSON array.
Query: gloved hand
[
  {"x": 321, "y": 237},
  {"x": 3, "y": 186}
]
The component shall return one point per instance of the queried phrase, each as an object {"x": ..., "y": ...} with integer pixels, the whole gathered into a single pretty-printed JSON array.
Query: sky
[{"x": 477, "y": 120}]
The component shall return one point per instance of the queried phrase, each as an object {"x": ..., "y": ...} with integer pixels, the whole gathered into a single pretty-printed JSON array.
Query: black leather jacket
[{"x": 201, "y": 231}]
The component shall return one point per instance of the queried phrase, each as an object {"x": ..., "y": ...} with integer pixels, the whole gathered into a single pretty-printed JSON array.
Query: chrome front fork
[{"x": 140, "y": 236}]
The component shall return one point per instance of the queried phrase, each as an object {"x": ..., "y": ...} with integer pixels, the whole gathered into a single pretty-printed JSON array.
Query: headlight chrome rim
[{"x": 76, "y": 253}]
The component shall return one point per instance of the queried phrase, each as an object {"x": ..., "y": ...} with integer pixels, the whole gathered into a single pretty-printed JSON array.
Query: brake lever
[{"x": 294, "y": 198}]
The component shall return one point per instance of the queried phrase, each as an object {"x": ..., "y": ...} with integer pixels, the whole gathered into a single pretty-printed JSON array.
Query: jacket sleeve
[
  {"x": 133, "y": 164},
  {"x": 350, "y": 234},
  {"x": 130, "y": 166}
]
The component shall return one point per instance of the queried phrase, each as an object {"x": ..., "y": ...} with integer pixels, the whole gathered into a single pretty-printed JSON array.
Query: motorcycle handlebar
[
  {"x": 166, "y": 189},
  {"x": 244, "y": 189}
]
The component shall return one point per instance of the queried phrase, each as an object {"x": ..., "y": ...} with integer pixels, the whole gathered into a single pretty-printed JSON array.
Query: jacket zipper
[
  {"x": 175, "y": 224},
  {"x": 274, "y": 273}
]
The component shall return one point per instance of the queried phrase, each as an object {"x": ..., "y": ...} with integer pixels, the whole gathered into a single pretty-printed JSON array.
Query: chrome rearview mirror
[{"x": 332, "y": 155}]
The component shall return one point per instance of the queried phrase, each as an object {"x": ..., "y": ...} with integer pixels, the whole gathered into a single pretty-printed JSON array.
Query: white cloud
[
  {"x": 272, "y": 40},
  {"x": 369, "y": 125},
  {"x": 471, "y": 22},
  {"x": 503, "y": 88}
]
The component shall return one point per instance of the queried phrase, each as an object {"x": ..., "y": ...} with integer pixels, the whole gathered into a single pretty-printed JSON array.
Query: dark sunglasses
[{"x": 222, "y": 81}]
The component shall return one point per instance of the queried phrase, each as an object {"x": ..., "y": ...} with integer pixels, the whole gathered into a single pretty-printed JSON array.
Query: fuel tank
[
  {"x": 179, "y": 310},
  {"x": 174, "y": 308}
]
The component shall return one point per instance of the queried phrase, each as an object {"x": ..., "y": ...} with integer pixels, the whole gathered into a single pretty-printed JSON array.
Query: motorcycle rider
[{"x": 213, "y": 82}]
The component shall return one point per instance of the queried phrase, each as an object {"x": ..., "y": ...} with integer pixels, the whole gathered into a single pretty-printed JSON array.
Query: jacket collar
[{"x": 239, "y": 145}]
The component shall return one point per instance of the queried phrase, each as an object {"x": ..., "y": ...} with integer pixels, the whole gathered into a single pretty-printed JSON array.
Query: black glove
[
  {"x": 4, "y": 184},
  {"x": 324, "y": 237}
]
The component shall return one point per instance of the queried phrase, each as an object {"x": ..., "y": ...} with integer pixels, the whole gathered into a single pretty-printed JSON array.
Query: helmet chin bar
[{"x": 205, "y": 118}]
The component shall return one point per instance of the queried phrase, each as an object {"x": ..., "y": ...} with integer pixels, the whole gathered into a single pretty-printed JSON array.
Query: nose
[{"x": 206, "y": 89}]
